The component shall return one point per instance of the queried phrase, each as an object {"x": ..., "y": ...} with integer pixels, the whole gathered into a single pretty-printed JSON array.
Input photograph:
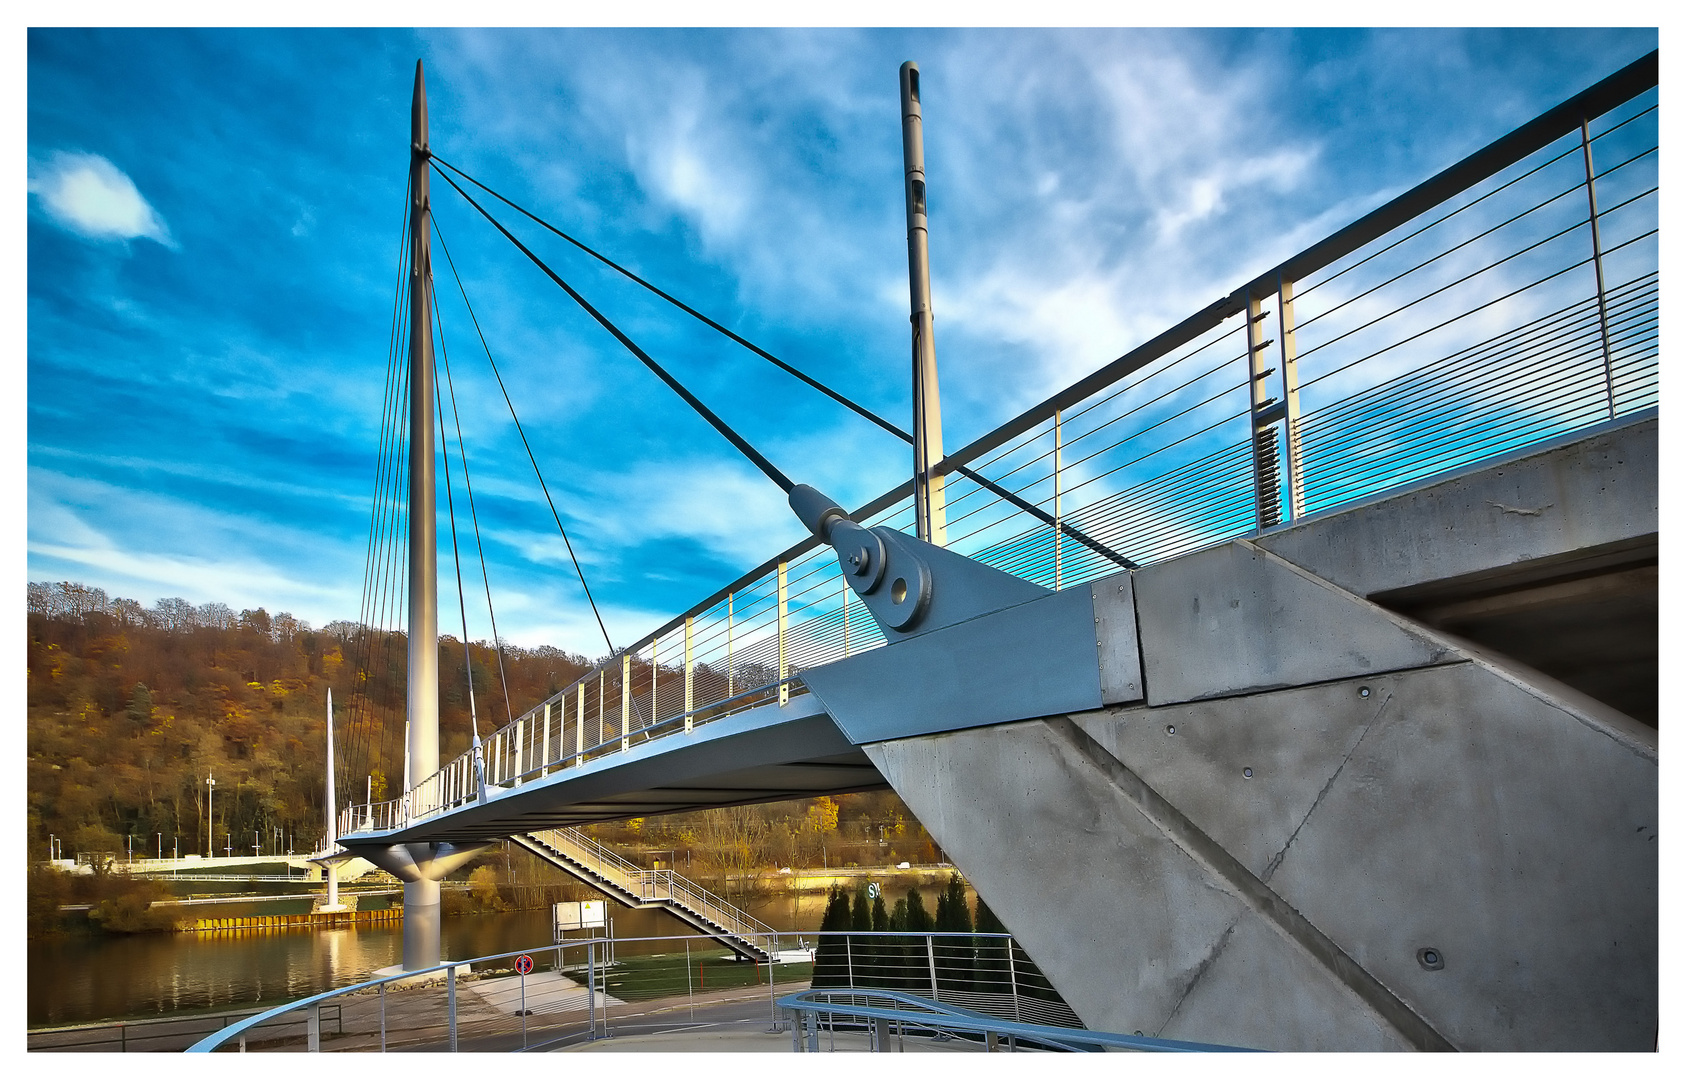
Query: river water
[{"x": 79, "y": 978}]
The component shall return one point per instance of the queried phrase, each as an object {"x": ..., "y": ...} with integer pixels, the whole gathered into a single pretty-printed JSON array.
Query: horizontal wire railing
[
  {"x": 579, "y": 988},
  {"x": 1461, "y": 321}
]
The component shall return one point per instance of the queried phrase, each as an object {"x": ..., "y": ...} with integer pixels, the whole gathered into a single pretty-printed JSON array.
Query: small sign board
[
  {"x": 524, "y": 964},
  {"x": 580, "y": 915}
]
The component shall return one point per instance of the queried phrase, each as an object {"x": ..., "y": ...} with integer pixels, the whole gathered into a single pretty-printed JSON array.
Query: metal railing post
[
  {"x": 784, "y": 622},
  {"x": 1059, "y": 464},
  {"x": 579, "y": 726},
  {"x": 931, "y": 957},
  {"x": 845, "y": 582},
  {"x": 520, "y": 751},
  {"x": 690, "y": 673},
  {"x": 690, "y": 988},
  {"x": 1289, "y": 354},
  {"x": 1013, "y": 979},
  {"x": 544, "y": 754},
  {"x": 383, "y": 1017},
  {"x": 1264, "y": 411},
  {"x": 451, "y": 1003},
  {"x": 313, "y": 1030},
  {"x": 1598, "y": 269},
  {"x": 591, "y": 989},
  {"x": 626, "y": 699},
  {"x": 731, "y": 599},
  {"x": 655, "y": 671},
  {"x": 602, "y": 676}
]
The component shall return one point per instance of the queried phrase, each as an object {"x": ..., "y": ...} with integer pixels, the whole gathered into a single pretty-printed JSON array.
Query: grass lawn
[{"x": 640, "y": 978}]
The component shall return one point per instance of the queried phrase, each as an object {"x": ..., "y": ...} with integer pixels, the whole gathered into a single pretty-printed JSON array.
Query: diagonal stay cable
[
  {"x": 512, "y": 414},
  {"x": 858, "y": 409},
  {"x": 456, "y": 562},
  {"x": 580, "y": 573},
  {"x": 755, "y": 456},
  {"x": 474, "y": 518}
]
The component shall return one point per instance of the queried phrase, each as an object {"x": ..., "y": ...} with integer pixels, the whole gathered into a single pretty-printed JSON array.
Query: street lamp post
[{"x": 210, "y": 837}]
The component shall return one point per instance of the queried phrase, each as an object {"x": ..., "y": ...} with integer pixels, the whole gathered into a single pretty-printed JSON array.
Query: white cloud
[
  {"x": 89, "y": 195},
  {"x": 83, "y": 528},
  {"x": 727, "y": 508}
]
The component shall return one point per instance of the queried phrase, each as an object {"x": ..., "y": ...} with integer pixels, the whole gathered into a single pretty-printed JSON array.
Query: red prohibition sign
[{"x": 524, "y": 964}]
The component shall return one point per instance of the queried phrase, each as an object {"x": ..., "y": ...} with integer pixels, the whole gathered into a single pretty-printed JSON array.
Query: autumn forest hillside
[{"x": 131, "y": 708}]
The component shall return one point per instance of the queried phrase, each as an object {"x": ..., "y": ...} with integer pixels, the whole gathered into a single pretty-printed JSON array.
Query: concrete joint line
[
  {"x": 1328, "y": 785},
  {"x": 1618, "y": 726},
  {"x": 1452, "y": 653},
  {"x": 1200, "y": 970},
  {"x": 1258, "y": 896}
]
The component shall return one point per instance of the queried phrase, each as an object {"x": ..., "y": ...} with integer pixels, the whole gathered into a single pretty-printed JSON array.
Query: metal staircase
[{"x": 636, "y": 887}]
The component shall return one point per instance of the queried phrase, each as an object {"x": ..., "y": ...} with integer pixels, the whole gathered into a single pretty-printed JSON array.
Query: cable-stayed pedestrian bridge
[{"x": 1303, "y": 658}]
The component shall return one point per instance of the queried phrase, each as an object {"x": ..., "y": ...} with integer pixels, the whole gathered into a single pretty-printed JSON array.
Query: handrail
[
  {"x": 927, "y": 1013},
  {"x": 216, "y": 1039},
  {"x": 651, "y": 884},
  {"x": 1021, "y": 981}
]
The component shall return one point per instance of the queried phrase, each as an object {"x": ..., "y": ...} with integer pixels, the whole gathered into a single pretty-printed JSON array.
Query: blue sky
[{"x": 213, "y": 226}]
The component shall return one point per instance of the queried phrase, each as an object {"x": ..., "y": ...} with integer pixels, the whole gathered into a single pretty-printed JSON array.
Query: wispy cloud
[{"x": 90, "y": 196}]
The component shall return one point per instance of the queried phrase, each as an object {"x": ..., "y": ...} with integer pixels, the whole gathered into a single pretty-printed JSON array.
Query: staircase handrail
[{"x": 653, "y": 884}]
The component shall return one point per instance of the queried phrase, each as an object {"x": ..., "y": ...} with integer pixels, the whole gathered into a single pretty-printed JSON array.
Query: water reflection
[{"x": 80, "y": 978}]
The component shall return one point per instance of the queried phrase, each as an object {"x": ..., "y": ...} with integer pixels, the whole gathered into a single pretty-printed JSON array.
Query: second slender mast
[{"x": 928, "y": 512}]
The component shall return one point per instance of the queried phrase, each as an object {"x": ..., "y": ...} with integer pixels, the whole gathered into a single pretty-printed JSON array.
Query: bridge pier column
[{"x": 421, "y": 925}]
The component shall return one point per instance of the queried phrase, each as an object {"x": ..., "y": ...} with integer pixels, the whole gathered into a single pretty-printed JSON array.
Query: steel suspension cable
[
  {"x": 858, "y": 409},
  {"x": 580, "y": 573},
  {"x": 456, "y": 560},
  {"x": 449, "y": 262},
  {"x": 755, "y": 456},
  {"x": 373, "y": 583},
  {"x": 474, "y": 517},
  {"x": 795, "y": 372}
]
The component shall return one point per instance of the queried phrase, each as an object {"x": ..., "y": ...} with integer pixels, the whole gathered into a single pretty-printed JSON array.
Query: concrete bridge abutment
[{"x": 1303, "y": 820}]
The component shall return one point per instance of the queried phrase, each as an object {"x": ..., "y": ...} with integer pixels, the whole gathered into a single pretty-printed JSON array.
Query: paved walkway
[{"x": 546, "y": 992}]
